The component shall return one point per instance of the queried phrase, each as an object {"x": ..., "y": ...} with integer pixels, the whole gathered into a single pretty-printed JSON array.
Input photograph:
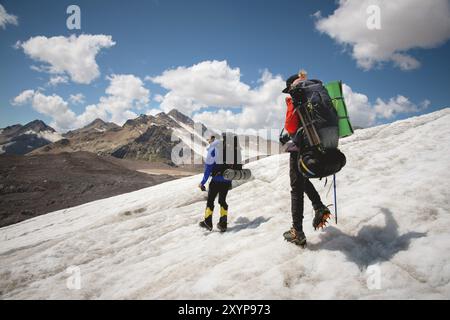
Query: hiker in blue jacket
[{"x": 218, "y": 186}]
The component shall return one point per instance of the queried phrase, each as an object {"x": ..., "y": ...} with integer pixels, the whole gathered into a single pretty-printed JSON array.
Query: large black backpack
[
  {"x": 229, "y": 159},
  {"x": 228, "y": 154},
  {"x": 318, "y": 138}
]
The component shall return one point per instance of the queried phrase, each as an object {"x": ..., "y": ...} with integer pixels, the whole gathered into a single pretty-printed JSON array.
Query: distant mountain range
[{"x": 146, "y": 137}]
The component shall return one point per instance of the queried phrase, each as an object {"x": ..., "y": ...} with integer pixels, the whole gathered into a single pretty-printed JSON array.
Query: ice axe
[{"x": 335, "y": 202}]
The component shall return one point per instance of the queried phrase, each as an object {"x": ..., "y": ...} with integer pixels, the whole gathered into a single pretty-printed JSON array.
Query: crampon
[{"x": 321, "y": 218}]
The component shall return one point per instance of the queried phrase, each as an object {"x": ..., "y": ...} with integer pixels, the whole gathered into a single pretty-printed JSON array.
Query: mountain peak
[
  {"x": 142, "y": 119},
  {"x": 181, "y": 117},
  {"x": 97, "y": 122},
  {"x": 38, "y": 126}
]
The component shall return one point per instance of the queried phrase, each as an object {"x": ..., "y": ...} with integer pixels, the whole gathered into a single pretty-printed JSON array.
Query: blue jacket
[
  {"x": 208, "y": 170},
  {"x": 210, "y": 163}
]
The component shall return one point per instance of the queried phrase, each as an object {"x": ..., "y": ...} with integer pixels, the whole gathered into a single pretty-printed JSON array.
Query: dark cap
[{"x": 289, "y": 81}]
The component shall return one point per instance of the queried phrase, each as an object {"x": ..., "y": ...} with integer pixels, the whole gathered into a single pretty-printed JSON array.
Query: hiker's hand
[
  {"x": 202, "y": 187},
  {"x": 284, "y": 139}
]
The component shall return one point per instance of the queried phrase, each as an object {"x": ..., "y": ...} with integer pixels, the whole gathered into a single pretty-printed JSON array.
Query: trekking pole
[{"x": 335, "y": 202}]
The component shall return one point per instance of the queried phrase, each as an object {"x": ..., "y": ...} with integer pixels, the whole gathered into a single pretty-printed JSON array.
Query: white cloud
[
  {"x": 364, "y": 114},
  {"x": 393, "y": 107},
  {"x": 55, "y": 80},
  {"x": 53, "y": 106},
  {"x": 153, "y": 112},
  {"x": 158, "y": 98},
  {"x": 91, "y": 113},
  {"x": 74, "y": 56},
  {"x": 77, "y": 98},
  {"x": 6, "y": 18},
  {"x": 216, "y": 84},
  {"x": 270, "y": 111},
  {"x": 405, "y": 24},
  {"x": 208, "y": 83},
  {"x": 359, "y": 108},
  {"x": 23, "y": 98},
  {"x": 124, "y": 93}
]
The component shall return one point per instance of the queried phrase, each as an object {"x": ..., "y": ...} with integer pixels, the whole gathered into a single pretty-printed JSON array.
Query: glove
[
  {"x": 284, "y": 139},
  {"x": 202, "y": 187}
]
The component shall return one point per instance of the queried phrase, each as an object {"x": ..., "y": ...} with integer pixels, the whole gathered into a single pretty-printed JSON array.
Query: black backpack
[
  {"x": 228, "y": 154},
  {"x": 318, "y": 137}
]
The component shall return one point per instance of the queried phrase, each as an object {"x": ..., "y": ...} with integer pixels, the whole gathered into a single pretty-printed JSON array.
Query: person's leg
[
  {"x": 296, "y": 234},
  {"x": 213, "y": 190},
  {"x": 223, "y": 191},
  {"x": 312, "y": 194},
  {"x": 322, "y": 213},
  {"x": 297, "y": 188},
  {"x": 222, "y": 225}
]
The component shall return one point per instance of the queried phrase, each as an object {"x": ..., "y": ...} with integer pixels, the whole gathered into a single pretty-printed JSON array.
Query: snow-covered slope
[{"x": 393, "y": 198}]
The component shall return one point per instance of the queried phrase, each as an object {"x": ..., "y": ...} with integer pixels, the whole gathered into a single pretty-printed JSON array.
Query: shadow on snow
[{"x": 371, "y": 245}]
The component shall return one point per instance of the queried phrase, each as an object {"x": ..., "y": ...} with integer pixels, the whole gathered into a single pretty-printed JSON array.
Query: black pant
[
  {"x": 299, "y": 185},
  {"x": 221, "y": 189}
]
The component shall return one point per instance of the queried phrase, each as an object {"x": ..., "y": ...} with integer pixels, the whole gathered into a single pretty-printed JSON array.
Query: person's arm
[{"x": 206, "y": 174}]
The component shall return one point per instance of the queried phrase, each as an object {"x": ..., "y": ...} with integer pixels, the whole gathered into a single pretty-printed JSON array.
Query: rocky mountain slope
[
  {"x": 21, "y": 139},
  {"x": 147, "y": 138},
  {"x": 37, "y": 184}
]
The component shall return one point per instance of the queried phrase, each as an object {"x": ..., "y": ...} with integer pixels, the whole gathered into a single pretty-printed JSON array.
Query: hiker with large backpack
[
  {"x": 313, "y": 133},
  {"x": 223, "y": 163}
]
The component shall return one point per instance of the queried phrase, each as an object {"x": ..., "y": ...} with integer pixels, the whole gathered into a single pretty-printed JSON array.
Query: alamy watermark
[
  {"x": 73, "y": 22},
  {"x": 373, "y": 21},
  {"x": 373, "y": 280},
  {"x": 73, "y": 282},
  {"x": 190, "y": 149}
]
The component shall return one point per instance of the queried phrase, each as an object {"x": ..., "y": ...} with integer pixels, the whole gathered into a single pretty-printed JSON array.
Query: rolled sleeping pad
[
  {"x": 335, "y": 92},
  {"x": 243, "y": 174}
]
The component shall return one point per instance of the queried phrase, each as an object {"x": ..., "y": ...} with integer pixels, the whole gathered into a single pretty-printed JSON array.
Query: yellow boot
[
  {"x": 222, "y": 225},
  {"x": 207, "y": 223}
]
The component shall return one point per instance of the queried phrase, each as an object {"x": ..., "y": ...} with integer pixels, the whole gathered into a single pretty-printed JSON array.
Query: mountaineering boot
[
  {"x": 222, "y": 225},
  {"x": 296, "y": 237},
  {"x": 322, "y": 214},
  {"x": 207, "y": 223}
]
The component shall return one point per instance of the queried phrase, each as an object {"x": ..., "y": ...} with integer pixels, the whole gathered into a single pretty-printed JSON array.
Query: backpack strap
[{"x": 235, "y": 143}]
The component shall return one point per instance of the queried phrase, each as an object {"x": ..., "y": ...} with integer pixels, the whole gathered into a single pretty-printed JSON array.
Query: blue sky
[{"x": 154, "y": 36}]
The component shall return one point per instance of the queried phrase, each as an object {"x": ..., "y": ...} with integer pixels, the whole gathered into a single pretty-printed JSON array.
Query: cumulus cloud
[
  {"x": 216, "y": 84},
  {"x": 153, "y": 112},
  {"x": 55, "y": 80},
  {"x": 405, "y": 24},
  {"x": 158, "y": 98},
  {"x": 52, "y": 106},
  {"x": 6, "y": 18},
  {"x": 236, "y": 105},
  {"x": 398, "y": 105},
  {"x": 73, "y": 56},
  {"x": 208, "y": 83},
  {"x": 77, "y": 98},
  {"x": 124, "y": 94},
  {"x": 359, "y": 108},
  {"x": 365, "y": 114}
]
